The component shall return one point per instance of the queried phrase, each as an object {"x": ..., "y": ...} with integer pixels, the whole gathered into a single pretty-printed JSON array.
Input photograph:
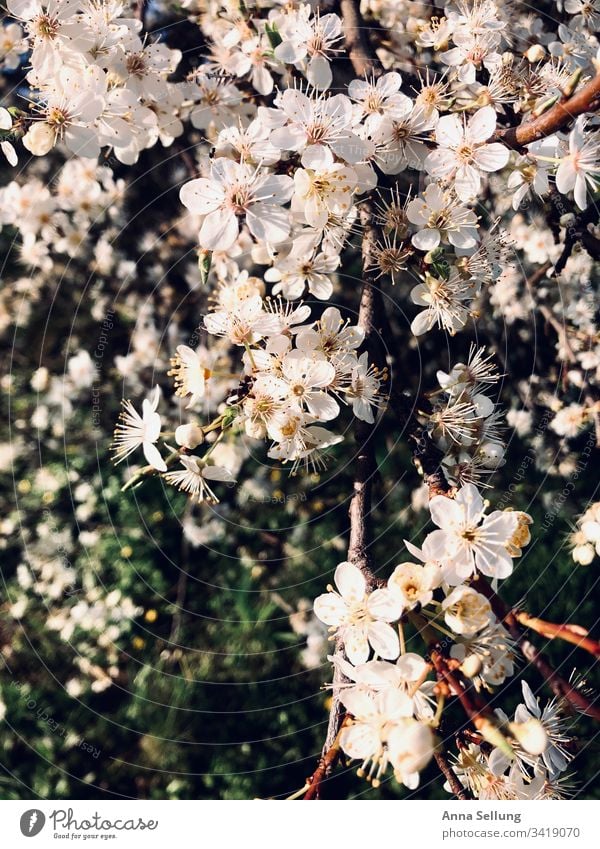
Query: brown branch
[
  {"x": 365, "y": 61},
  {"x": 426, "y": 455},
  {"x": 561, "y": 688},
  {"x": 570, "y": 633},
  {"x": 327, "y": 761},
  {"x": 141, "y": 7},
  {"x": 360, "y": 504},
  {"x": 470, "y": 700},
  {"x": 366, "y": 467},
  {"x": 538, "y": 275},
  {"x": 587, "y": 99},
  {"x": 457, "y": 788}
]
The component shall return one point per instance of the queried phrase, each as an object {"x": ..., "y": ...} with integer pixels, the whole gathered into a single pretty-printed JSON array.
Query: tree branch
[
  {"x": 457, "y": 789},
  {"x": 561, "y": 688},
  {"x": 587, "y": 99},
  {"x": 365, "y": 61},
  {"x": 327, "y": 762},
  {"x": 574, "y": 634}
]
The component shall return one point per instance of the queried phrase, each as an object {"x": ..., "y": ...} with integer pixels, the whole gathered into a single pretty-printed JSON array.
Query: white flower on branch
[
  {"x": 315, "y": 125},
  {"x": 235, "y": 190},
  {"x": 384, "y": 733},
  {"x": 441, "y": 217},
  {"x": 463, "y": 152},
  {"x": 358, "y": 617},
  {"x": 466, "y": 611},
  {"x": 134, "y": 431},
  {"x": 580, "y": 169},
  {"x": 468, "y": 538},
  {"x": 309, "y": 43},
  {"x": 195, "y": 476}
]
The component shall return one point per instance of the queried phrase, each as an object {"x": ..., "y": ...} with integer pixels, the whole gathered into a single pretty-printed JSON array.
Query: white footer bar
[{"x": 328, "y": 824}]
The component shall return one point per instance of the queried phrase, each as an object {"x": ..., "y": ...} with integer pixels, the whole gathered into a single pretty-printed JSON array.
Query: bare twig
[
  {"x": 327, "y": 761},
  {"x": 362, "y": 56},
  {"x": 559, "y": 686},
  {"x": 564, "y": 631},
  {"x": 360, "y": 504},
  {"x": 587, "y": 99},
  {"x": 364, "y": 60},
  {"x": 458, "y": 790}
]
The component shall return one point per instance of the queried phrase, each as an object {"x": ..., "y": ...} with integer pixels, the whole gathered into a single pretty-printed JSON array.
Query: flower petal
[
  {"x": 384, "y": 640},
  {"x": 350, "y": 582},
  {"x": 330, "y": 609}
]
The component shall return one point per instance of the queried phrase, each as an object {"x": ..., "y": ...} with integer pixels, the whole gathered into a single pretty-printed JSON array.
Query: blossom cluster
[
  {"x": 56, "y": 222},
  {"x": 464, "y": 422},
  {"x": 392, "y": 702},
  {"x": 541, "y": 755},
  {"x": 296, "y": 374},
  {"x": 286, "y": 161},
  {"x": 585, "y": 539}
]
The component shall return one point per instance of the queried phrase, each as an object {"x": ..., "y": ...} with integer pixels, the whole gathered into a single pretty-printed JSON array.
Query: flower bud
[
  {"x": 583, "y": 554},
  {"x": 591, "y": 531},
  {"x": 39, "y": 138},
  {"x": 189, "y": 435},
  {"x": 531, "y": 735},
  {"x": 535, "y": 53},
  {"x": 492, "y": 453},
  {"x": 471, "y": 666}
]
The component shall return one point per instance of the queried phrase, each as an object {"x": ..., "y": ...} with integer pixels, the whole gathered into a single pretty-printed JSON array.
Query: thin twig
[
  {"x": 587, "y": 99},
  {"x": 457, "y": 788},
  {"x": 561, "y": 688},
  {"x": 327, "y": 761},
  {"x": 574, "y": 634},
  {"x": 363, "y": 60}
]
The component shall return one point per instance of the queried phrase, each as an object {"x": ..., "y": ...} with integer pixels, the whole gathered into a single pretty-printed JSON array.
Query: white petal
[
  {"x": 470, "y": 498},
  {"x": 565, "y": 176},
  {"x": 152, "y": 455},
  {"x": 411, "y": 666},
  {"x": 359, "y": 741},
  {"x": 395, "y": 704},
  {"x": 217, "y": 473},
  {"x": 382, "y": 604},
  {"x": 201, "y": 196},
  {"x": 467, "y": 182},
  {"x": 358, "y": 703},
  {"x": 317, "y": 157},
  {"x": 319, "y": 73},
  {"x": 350, "y": 582},
  {"x": 10, "y": 153},
  {"x": 440, "y": 162},
  {"x": 322, "y": 406},
  {"x": 422, "y": 323},
  {"x": 268, "y": 223},
  {"x": 482, "y": 124},
  {"x": 426, "y": 240},
  {"x": 384, "y": 640},
  {"x": 219, "y": 230},
  {"x": 449, "y": 131},
  {"x": 330, "y": 609},
  {"x": 5, "y": 119},
  {"x": 356, "y": 645},
  {"x": 491, "y": 157},
  {"x": 580, "y": 192},
  {"x": 445, "y": 512},
  {"x": 496, "y": 563},
  {"x": 498, "y": 762}
]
